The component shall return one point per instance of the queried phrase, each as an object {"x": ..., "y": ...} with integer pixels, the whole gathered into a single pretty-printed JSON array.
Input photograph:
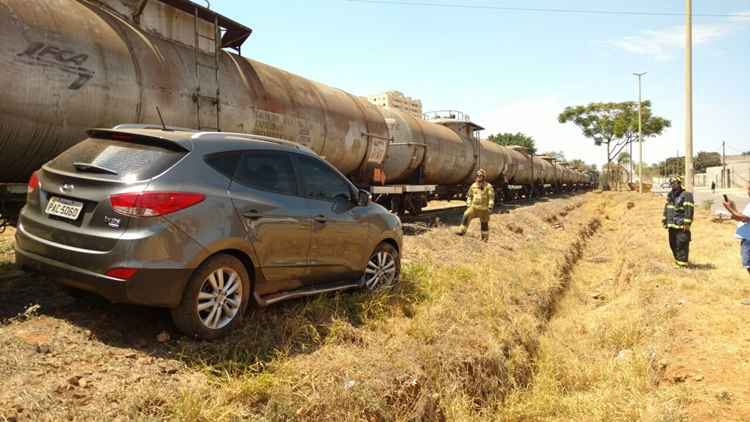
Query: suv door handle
[
  {"x": 252, "y": 214},
  {"x": 321, "y": 218}
]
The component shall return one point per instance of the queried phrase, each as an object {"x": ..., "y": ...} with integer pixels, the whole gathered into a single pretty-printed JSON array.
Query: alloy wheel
[
  {"x": 381, "y": 270},
  {"x": 220, "y": 298}
]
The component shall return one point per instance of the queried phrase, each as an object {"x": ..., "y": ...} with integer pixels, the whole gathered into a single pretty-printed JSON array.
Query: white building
[
  {"x": 736, "y": 174},
  {"x": 398, "y": 101}
]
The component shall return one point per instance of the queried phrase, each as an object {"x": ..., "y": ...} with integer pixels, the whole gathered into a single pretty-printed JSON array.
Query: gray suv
[{"x": 202, "y": 223}]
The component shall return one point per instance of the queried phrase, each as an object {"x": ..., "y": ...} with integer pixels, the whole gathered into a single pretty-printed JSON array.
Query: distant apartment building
[{"x": 397, "y": 100}]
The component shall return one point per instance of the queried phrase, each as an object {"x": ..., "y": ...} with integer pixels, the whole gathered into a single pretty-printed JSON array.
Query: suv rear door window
[
  {"x": 269, "y": 171},
  {"x": 118, "y": 160},
  {"x": 320, "y": 181},
  {"x": 224, "y": 162}
]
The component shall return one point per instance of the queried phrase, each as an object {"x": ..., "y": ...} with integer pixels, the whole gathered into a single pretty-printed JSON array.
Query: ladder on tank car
[{"x": 199, "y": 96}]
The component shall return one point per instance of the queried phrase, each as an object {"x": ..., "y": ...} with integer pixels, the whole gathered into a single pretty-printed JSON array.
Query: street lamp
[{"x": 640, "y": 135}]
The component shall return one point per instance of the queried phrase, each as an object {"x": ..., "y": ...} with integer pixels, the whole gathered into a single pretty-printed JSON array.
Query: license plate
[{"x": 64, "y": 208}]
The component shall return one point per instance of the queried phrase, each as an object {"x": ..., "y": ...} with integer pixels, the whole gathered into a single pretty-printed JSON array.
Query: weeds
[{"x": 452, "y": 341}]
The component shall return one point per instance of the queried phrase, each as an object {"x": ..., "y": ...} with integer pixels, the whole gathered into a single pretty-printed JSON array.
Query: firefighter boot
[{"x": 464, "y": 225}]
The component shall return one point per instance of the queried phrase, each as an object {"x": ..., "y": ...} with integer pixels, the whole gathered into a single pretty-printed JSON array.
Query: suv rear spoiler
[{"x": 168, "y": 142}]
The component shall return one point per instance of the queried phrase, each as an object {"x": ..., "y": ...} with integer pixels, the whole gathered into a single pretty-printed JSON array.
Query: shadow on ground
[{"x": 285, "y": 329}]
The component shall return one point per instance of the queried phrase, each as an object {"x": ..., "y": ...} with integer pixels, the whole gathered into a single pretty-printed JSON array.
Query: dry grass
[
  {"x": 457, "y": 337},
  {"x": 571, "y": 312},
  {"x": 630, "y": 340}
]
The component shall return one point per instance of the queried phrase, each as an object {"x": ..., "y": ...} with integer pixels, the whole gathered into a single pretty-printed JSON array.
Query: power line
[{"x": 538, "y": 10}]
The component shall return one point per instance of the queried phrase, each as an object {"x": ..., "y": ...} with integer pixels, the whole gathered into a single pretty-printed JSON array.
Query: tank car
[{"x": 69, "y": 65}]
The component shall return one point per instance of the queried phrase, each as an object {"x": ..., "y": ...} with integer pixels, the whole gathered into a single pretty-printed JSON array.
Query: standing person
[
  {"x": 480, "y": 201},
  {"x": 713, "y": 187},
  {"x": 743, "y": 229},
  {"x": 678, "y": 216}
]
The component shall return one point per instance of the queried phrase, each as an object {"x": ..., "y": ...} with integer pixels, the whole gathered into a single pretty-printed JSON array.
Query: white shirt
[{"x": 743, "y": 229}]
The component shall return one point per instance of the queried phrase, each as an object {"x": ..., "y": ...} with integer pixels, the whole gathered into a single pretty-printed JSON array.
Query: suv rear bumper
[{"x": 152, "y": 287}]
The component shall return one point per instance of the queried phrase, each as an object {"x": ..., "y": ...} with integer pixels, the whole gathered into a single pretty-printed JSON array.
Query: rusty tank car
[{"x": 69, "y": 65}]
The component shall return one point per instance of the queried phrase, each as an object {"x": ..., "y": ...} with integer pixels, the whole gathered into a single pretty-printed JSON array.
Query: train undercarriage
[{"x": 412, "y": 199}]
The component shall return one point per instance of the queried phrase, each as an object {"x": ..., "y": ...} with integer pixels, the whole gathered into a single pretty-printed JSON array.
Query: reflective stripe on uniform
[
  {"x": 681, "y": 263},
  {"x": 674, "y": 226},
  {"x": 669, "y": 207},
  {"x": 688, "y": 204},
  {"x": 687, "y": 220}
]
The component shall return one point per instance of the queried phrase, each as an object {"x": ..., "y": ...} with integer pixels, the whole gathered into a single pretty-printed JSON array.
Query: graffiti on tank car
[
  {"x": 268, "y": 124},
  {"x": 283, "y": 126},
  {"x": 69, "y": 61},
  {"x": 304, "y": 137}
]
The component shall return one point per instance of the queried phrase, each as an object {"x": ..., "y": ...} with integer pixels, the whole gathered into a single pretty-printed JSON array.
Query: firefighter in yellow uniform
[
  {"x": 480, "y": 201},
  {"x": 678, "y": 217}
]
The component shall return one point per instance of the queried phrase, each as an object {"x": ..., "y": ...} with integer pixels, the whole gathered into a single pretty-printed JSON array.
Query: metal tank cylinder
[
  {"x": 495, "y": 159},
  {"x": 70, "y": 66},
  {"x": 63, "y": 69},
  {"x": 520, "y": 170},
  {"x": 407, "y": 150}
]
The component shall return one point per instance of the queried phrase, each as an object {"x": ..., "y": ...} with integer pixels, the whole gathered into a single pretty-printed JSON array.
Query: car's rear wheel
[
  {"x": 215, "y": 298},
  {"x": 383, "y": 268}
]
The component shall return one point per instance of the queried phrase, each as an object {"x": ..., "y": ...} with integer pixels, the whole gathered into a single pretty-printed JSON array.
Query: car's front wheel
[
  {"x": 383, "y": 268},
  {"x": 215, "y": 298}
]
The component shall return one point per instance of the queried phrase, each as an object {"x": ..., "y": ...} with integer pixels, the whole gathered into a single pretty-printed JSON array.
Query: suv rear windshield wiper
[{"x": 93, "y": 168}]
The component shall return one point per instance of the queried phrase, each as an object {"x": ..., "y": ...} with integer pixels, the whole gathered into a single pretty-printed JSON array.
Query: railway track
[{"x": 451, "y": 215}]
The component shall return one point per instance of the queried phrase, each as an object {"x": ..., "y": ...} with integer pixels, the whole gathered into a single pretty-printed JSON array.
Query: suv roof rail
[
  {"x": 251, "y": 137},
  {"x": 153, "y": 127}
]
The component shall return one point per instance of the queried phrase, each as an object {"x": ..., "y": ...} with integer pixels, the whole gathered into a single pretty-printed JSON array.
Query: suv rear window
[
  {"x": 131, "y": 161},
  {"x": 270, "y": 171}
]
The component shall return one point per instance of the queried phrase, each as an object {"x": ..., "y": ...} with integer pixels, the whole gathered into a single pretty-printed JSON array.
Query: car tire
[
  {"x": 383, "y": 268},
  {"x": 215, "y": 298}
]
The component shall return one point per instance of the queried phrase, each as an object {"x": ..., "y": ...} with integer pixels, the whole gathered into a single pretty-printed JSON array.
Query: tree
[
  {"x": 624, "y": 162},
  {"x": 672, "y": 166},
  {"x": 558, "y": 156},
  {"x": 614, "y": 124},
  {"x": 623, "y": 158},
  {"x": 705, "y": 160},
  {"x": 578, "y": 164},
  {"x": 514, "y": 139}
]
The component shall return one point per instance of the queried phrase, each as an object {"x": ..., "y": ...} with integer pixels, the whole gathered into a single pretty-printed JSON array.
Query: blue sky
[{"x": 515, "y": 71}]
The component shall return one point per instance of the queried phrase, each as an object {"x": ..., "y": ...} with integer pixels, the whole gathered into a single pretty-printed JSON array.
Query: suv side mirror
[{"x": 363, "y": 198}]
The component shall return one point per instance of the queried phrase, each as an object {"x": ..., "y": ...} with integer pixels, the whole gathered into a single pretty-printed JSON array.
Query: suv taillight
[
  {"x": 152, "y": 204},
  {"x": 34, "y": 183}
]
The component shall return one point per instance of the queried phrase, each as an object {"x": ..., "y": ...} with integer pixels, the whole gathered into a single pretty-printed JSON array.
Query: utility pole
[
  {"x": 640, "y": 137},
  {"x": 689, "y": 185},
  {"x": 723, "y": 164}
]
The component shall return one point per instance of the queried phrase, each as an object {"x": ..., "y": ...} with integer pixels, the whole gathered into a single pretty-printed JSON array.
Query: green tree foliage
[
  {"x": 705, "y": 160},
  {"x": 581, "y": 166},
  {"x": 676, "y": 165},
  {"x": 514, "y": 139},
  {"x": 578, "y": 164},
  {"x": 614, "y": 125},
  {"x": 623, "y": 158},
  {"x": 556, "y": 155}
]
